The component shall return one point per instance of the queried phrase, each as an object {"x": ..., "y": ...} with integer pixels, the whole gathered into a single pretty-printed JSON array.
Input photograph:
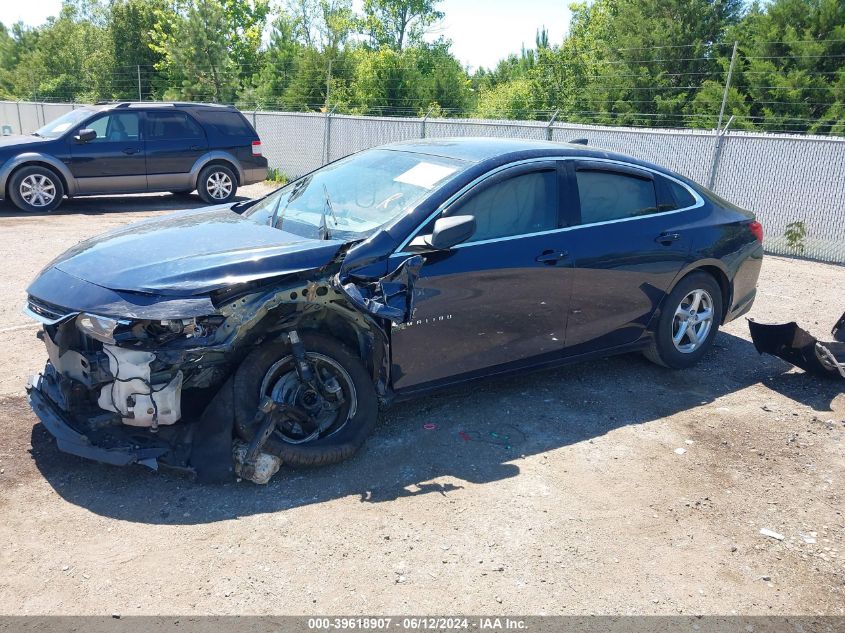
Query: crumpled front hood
[{"x": 193, "y": 252}]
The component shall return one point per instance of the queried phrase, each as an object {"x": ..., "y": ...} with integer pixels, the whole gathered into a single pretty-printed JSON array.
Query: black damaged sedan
[{"x": 236, "y": 338}]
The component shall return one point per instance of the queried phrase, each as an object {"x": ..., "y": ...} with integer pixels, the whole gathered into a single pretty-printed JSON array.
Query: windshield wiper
[
  {"x": 35, "y": 134},
  {"x": 298, "y": 190},
  {"x": 324, "y": 232}
]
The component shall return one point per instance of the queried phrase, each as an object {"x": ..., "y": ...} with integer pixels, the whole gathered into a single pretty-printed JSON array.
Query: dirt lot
[{"x": 570, "y": 497}]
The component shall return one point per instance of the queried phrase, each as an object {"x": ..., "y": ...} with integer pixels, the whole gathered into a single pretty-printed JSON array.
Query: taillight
[
  {"x": 757, "y": 230},
  {"x": 256, "y": 148}
]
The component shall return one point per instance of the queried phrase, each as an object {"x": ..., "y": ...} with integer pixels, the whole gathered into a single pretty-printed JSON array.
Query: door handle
[
  {"x": 550, "y": 258},
  {"x": 130, "y": 151},
  {"x": 667, "y": 238}
]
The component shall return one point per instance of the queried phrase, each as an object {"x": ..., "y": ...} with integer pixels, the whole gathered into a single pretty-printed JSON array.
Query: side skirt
[{"x": 531, "y": 365}]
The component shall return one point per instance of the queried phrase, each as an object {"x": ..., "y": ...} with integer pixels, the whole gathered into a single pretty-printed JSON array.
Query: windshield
[
  {"x": 354, "y": 196},
  {"x": 57, "y": 127}
]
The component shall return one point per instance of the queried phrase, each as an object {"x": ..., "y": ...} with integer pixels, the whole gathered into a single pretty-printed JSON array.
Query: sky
[{"x": 482, "y": 31}]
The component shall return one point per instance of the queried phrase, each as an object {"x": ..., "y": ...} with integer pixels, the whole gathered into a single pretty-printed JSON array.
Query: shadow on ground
[
  {"x": 97, "y": 205},
  {"x": 480, "y": 432}
]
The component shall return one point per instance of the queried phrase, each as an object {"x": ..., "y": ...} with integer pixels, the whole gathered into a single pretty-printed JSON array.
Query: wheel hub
[
  {"x": 328, "y": 412},
  {"x": 37, "y": 190},
  {"x": 693, "y": 321},
  {"x": 219, "y": 185}
]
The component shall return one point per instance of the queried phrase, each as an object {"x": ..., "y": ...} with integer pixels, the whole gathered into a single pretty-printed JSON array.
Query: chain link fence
[{"x": 783, "y": 178}]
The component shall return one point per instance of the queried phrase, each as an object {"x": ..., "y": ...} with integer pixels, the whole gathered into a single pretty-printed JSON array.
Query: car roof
[{"x": 498, "y": 151}]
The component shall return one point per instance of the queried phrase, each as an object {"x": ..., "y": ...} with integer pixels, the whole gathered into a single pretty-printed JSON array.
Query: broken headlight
[
  {"x": 99, "y": 327},
  {"x": 158, "y": 331}
]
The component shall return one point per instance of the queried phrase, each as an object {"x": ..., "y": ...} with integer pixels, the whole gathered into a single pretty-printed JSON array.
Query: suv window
[
  {"x": 226, "y": 123},
  {"x": 115, "y": 127},
  {"x": 607, "y": 195},
  {"x": 172, "y": 125},
  {"x": 523, "y": 204}
]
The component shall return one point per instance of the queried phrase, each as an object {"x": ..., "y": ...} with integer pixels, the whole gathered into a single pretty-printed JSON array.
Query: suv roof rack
[{"x": 172, "y": 104}]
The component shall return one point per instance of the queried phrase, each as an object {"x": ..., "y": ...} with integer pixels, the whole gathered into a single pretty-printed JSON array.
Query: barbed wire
[{"x": 238, "y": 81}]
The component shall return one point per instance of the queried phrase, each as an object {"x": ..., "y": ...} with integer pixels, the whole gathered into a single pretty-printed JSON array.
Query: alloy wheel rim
[
  {"x": 219, "y": 185},
  {"x": 282, "y": 384},
  {"x": 37, "y": 190},
  {"x": 693, "y": 321}
]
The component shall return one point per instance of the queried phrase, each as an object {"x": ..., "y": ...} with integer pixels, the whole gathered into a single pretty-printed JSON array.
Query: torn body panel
[
  {"x": 798, "y": 347},
  {"x": 390, "y": 297}
]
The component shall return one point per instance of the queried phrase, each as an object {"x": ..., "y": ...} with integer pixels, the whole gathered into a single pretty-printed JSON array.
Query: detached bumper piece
[
  {"x": 69, "y": 440},
  {"x": 800, "y": 348}
]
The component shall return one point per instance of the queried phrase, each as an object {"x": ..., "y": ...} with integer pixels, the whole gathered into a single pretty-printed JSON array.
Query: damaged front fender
[{"x": 390, "y": 297}]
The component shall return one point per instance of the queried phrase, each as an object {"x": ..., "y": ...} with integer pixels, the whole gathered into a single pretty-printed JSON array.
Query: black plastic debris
[{"x": 800, "y": 348}]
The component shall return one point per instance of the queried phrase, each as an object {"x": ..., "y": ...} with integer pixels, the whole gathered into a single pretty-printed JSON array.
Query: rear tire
[
  {"x": 217, "y": 184},
  {"x": 36, "y": 189},
  {"x": 251, "y": 381},
  {"x": 688, "y": 322}
]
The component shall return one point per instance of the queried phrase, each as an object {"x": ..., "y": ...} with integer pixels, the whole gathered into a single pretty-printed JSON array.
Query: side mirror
[
  {"x": 84, "y": 135},
  {"x": 447, "y": 233}
]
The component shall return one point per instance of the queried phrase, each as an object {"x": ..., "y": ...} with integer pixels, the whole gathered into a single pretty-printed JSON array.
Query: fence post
[
  {"x": 20, "y": 121},
  {"x": 727, "y": 87},
  {"x": 551, "y": 123},
  {"x": 425, "y": 119},
  {"x": 717, "y": 154},
  {"x": 327, "y": 136},
  {"x": 140, "y": 96}
]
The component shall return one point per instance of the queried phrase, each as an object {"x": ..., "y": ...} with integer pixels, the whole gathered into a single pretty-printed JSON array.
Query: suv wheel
[
  {"x": 36, "y": 189},
  {"x": 217, "y": 184},
  {"x": 688, "y": 323}
]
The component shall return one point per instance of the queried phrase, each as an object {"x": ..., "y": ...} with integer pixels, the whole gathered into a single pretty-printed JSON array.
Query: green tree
[
  {"x": 397, "y": 23},
  {"x": 509, "y": 100},
  {"x": 322, "y": 66},
  {"x": 388, "y": 82},
  {"x": 8, "y": 60},
  {"x": 68, "y": 58},
  {"x": 446, "y": 87},
  {"x": 208, "y": 47},
  {"x": 790, "y": 65},
  {"x": 131, "y": 25},
  {"x": 279, "y": 63}
]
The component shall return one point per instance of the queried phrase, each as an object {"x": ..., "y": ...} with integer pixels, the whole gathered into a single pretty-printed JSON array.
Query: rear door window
[
  {"x": 171, "y": 126},
  {"x": 226, "y": 123},
  {"x": 609, "y": 195}
]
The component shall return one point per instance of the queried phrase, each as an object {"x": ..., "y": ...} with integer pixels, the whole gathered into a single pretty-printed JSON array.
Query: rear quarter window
[
  {"x": 225, "y": 123},
  {"x": 683, "y": 198}
]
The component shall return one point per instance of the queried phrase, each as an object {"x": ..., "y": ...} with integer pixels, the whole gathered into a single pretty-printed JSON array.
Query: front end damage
[{"x": 159, "y": 391}]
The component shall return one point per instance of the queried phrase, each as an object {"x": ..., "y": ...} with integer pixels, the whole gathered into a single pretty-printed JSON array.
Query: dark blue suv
[{"x": 132, "y": 148}]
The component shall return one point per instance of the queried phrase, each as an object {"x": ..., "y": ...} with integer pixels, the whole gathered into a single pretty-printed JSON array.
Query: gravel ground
[{"x": 570, "y": 497}]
